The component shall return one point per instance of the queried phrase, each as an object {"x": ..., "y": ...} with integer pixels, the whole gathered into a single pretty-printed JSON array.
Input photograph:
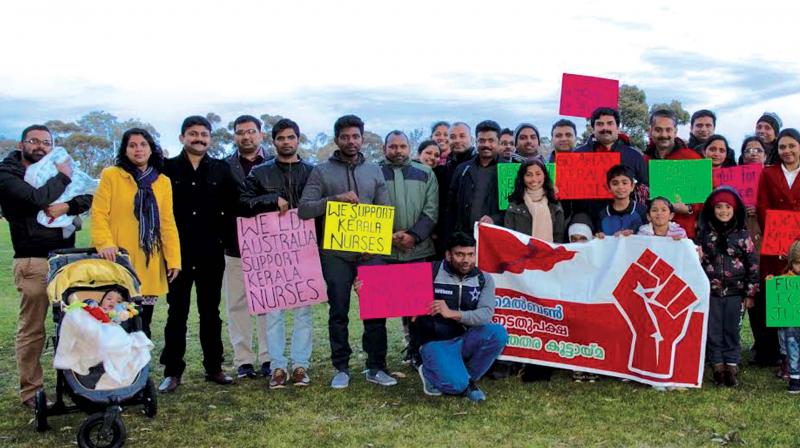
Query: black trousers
[
  {"x": 147, "y": 317},
  {"x": 339, "y": 275},
  {"x": 765, "y": 339},
  {"x": 207, "y": 279}
]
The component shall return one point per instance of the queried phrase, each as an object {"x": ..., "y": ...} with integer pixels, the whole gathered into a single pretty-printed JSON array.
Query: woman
[
  {"x": 532, "y": 206},
  {"x": 428, "y": 153},
  {"x": 440, "y": 133},
  {"x": 753, "y": 151},
  {"x": 778, "y": 189},
  {"x": 132, "y": 210},
  {"x": 716, "y": 148}
]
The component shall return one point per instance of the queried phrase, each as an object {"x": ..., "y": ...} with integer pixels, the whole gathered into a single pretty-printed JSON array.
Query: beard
[{"x": 32, "y": 157}]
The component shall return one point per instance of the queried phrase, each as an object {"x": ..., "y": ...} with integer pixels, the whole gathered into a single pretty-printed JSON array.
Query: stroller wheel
[
  {"x": 149, "y": 399},
  {"x": 92, "y": 435},
  {"x": 40, "y": 412}
]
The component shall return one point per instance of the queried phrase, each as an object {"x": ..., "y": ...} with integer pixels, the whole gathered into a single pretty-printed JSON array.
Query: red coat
[
  {"x": 774, "y": 194},
  {"x": 681, "y": 152}
]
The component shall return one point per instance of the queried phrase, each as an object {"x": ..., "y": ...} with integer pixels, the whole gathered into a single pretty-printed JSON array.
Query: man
[
  {"x": 526, "y": 140},
  {"x": 277, "y": 186},
  {"x": 702, "y": 125},
  {"x": 205, "y": 197},
  {"x": 606, "y": 137},
  {"x": 768, "y": 127},
  {"x": 563, "y": 134},
  {"x": 458, "y": 341},
  {"x": 665, "y": 145},
  {"x": 414, "y": 193},
  {"x": 506, "y": 148},
  {"x": 473, "y": 192},
  {"x": 32, "y": 243},
  {"x": 247, "y": 138},
  {"x": 461, "y": 150},
  {"x": 347, "y": 177}
]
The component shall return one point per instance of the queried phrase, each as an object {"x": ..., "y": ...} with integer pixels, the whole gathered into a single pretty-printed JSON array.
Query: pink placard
[
  {"x": 743, "y": 178},
  {"x": 280, "y": 262},
  {"x": 581, "y": 95},
  {"x": 395, "y": 290}
]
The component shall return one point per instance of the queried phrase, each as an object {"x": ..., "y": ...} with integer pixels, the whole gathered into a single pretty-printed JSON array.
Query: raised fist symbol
[{"x": 656, "y": 304}]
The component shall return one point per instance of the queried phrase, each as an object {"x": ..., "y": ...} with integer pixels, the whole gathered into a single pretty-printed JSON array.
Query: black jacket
[
  {"x": 239, "y": 174},
  {"x": 205, "y": 204},
  {"x": 459, "y": 202},
  {"x": 271, "y": 180},
  {"x": 21, "y": 202}
]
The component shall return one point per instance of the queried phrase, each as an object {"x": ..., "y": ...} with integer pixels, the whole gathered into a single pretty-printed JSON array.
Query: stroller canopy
[{"x": 91, "y": 273}]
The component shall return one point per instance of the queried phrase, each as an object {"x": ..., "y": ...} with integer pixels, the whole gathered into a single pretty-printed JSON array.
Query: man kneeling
[{"x": 458, "y": 341}]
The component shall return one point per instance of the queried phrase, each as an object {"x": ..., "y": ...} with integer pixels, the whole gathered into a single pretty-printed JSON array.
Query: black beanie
[{"x": 772, "y": 119}]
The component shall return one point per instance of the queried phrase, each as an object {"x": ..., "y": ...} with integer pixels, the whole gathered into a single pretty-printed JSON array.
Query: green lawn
[{"x": 559, "y": 413}]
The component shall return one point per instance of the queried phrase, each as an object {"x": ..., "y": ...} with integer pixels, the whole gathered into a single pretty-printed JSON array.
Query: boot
[
  {"x": 719, "y": 374},
  {"x": 731, "y": 375}
]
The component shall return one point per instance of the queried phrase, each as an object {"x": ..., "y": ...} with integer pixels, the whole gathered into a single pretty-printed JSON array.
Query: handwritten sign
[
  {"x": 743, "y": 178},
  {"x": 395, "y": 290},
  {"x": 362, "y": 228},
  {"x": 280, "y": 262},
  {"x": 783, "y": 301},
  {"x": 506, "y": 176},
  {"x": 686, "y": 181},
  {"x": 781, "y": 229},
  {"x": 582, "y": 175},
  {"x": 581, "y": 95}
]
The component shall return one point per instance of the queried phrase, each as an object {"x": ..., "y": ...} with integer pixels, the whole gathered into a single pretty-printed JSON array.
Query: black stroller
[{"x": 78, "y": 275}]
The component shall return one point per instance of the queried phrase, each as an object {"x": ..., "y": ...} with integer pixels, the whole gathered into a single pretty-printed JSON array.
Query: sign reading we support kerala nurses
[
  {"x": 280, "y": 262},
  {"x": 362, "y": 228},
  {"x": 631, "y": 307}
]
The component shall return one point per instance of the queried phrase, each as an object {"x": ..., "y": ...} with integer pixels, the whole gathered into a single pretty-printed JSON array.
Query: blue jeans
[
  {"x": 301, "y": 338},
  {"x": 451, "y": 364},
  {"x": 791, "y": 340}
]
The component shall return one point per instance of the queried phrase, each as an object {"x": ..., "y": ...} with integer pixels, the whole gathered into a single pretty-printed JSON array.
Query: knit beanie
[
  {"x": 726, "y": 197},
  {"x": 772, "y": 119},
  {"x": 529, "y": 126}
]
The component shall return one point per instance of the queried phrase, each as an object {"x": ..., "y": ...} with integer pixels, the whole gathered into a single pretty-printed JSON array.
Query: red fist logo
[{"x": 656, "y": 304}]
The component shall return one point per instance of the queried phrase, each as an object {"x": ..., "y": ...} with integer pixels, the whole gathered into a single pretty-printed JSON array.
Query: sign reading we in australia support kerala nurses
[
  {"x": 280, "y": 262},
  {"x": 362, "y": 228},
  {"x": 633, "y": 307},
  {"x": 582, "y": 175},
  {"x": 581, "y": 95}
]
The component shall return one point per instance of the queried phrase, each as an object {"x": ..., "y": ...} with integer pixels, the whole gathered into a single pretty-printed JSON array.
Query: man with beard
[
  {"x": 347, "y": 177},
  {"x": 32, "y": 243},
  {"x": 473, "y": 188},
  {"x": 461, "y": 150},
  {"x": 665, "y": 145},
  {"x": 247, "y": 138},
  {"x": 277, "y": 186},
  {"x": 205, "y": 197},
  {"x": 506, "y": 148},
  {"x": 563, "y": 133},
  {"x": 701, "y": 127},
  {"x": 526, "y": 139}
]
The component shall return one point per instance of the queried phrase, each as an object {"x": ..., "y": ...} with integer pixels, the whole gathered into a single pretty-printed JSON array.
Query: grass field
[{"x": 559, "y": 413}]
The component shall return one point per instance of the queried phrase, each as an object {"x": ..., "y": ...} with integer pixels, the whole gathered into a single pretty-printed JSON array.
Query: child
[
  {"x": 110, "y": 300},
  {"x": 622, "y": 216},
  {"x": 660, "y": 214},
  {"x": 729, "y": 260},
  {"x": 790, "y": 337},
  {"x": 106, "y": 310}
]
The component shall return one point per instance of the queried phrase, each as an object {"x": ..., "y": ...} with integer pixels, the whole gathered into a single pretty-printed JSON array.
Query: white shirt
[{"x": 790, "y": 175}]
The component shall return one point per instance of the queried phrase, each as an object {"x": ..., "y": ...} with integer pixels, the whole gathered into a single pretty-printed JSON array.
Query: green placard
[
  {"x": 686, "y": 181},
  {"x": 551, "y": 168},
  {"x": 506, "y": 175},
  {"x": 783, "y": 301}
]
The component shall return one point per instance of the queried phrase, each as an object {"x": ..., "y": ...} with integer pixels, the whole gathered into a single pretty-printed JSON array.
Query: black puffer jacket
[{"x": 21, "y": 202}]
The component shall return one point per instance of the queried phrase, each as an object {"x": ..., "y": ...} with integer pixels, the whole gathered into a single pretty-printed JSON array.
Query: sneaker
[
  {"x": 265, "y": 370},
  {"x": 300, "y": 377},
  {"x": 474, "y": 394},
  {"x": 341, "y": 380},
  {"x": 427, "y": 386},
  {"x": 246, "y": 371},
  {"x": 380, "y": 377},
  {"x": 278, "y": 379},
  {"x": 591, "y": 377},
  {"x": 794, "y": 385},
  {"x": 578, "y": 376},
  {"x": 660, "y": 388}
]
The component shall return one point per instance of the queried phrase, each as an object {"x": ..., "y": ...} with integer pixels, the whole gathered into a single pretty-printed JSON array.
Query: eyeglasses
[
  {"x": 754, "y": 151},
  {"x": 36, "y": 141},
  {"x": 243, "y": 132}
]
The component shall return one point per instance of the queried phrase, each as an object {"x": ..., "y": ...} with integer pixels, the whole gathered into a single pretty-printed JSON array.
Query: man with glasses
[{"x": 32, "y": 242}]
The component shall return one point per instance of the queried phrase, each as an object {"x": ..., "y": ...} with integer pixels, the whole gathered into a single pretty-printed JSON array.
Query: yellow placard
[{"x": 362, "y": 228}]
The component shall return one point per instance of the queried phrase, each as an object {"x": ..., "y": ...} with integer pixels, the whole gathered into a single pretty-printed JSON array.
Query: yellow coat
[{"x": 115, "y": 225}]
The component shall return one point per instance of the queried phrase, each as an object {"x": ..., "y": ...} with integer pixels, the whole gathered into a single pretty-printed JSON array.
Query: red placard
[
  {"x": 395, "y": 290},
  {"x": 581, "y": 95},
  {"x": 781, "y": 229},
  {"x": 582, "y": 175},
  {"x": 743, "y": 178}
]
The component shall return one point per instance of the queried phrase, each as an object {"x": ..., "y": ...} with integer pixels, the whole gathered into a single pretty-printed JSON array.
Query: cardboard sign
[
  {"x": 551, "y": 168},
  {"x": 395, "y": 290},
  {"x": 362, "y": 228},
  {"x": 743, "y": 178},
  {"x": 581, "y": 95},
  {"x": 783, "y": 301},
  {"x": 685, "y": 181},
  {"x": 506, "y": 176},
  {"x": 582, "y": 175},
  {"x": 781, "y": 229},
  {"x": 280, "y": 262}
]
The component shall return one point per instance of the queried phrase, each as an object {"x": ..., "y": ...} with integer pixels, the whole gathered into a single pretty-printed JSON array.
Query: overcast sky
[{"x": 397, "y": 64}]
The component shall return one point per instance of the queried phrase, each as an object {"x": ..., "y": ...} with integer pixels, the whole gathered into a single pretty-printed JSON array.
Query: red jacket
[{"x": 774, "y": 194}]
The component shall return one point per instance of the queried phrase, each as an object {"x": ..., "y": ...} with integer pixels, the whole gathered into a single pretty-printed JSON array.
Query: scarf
[
  {"x": 541, "y": 221},
  {"x": 146, "y": 211}
]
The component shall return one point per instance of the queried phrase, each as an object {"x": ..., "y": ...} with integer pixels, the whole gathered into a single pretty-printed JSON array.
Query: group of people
[{"x": 176, "y": 219}]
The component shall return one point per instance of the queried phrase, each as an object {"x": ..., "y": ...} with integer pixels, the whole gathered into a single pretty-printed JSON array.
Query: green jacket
[{"x": 414, "y": 191}]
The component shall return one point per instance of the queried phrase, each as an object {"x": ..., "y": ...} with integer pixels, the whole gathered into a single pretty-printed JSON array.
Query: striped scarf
[{"x": 146, "y": 211}]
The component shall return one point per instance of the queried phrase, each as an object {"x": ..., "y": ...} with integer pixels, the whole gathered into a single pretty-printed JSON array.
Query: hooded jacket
[
  {"x": 729, "y": 256},
  {"x": 21, "y": 202}
]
